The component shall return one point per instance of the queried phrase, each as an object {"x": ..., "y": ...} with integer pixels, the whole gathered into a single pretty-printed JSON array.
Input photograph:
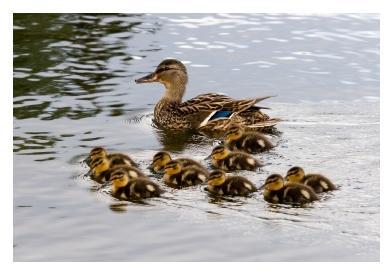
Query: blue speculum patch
[{"x": 220, "y": 115}]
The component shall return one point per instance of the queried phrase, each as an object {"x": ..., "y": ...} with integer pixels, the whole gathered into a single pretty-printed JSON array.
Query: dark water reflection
[{"x": 74, "y": 89}]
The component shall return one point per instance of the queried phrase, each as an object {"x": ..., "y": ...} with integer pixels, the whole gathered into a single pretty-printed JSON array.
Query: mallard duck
[
  {"x": 219, "y": 183},
  {"x": 248, "y": 141},
  {"x": 126, "y": 187},
  {"x": 178, "y": 176},
  {"x": 102, "y": 168},
  {"x": 161, "y": 158},
  {"x": 276, "y": 191},
  {"x": 209, "y": 113},
  {"x": 227, "y": 160},
  {"x": 102, "y": 152},
  {"x": 317, "y": 182}
]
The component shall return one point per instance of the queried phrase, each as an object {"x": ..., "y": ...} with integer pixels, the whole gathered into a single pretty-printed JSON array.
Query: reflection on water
[
  {"x": 74, "y": 89},
  {"x": 177, "y": 141}
]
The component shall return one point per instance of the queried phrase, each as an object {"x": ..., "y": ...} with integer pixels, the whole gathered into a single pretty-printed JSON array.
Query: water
[{"x": 74, "y": 89}]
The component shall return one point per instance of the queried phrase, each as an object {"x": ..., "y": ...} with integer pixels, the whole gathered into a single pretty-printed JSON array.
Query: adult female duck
[{"x": 209, "y": 113}]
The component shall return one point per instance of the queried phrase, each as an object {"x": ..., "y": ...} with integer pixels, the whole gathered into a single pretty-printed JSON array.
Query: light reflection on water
[{"x": 74, "y": 89}]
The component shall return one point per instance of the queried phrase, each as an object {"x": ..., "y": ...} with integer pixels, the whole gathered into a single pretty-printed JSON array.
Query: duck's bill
[{"x": 152, "y": 77}]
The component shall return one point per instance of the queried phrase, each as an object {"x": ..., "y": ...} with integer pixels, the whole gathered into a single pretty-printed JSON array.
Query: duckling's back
[
  {"x": 193, "y": 175},
  {"x": 318, "y": 183},
  {"x": 238, "y": 160},
  {"x": 238, "y": 185},
  {"x": 132, "y": 171},
  {"x": 298, "y": 194},
  {"x": 143, "y": 187},
  {"x": 185, "y": 162},
  {"x": 121, "y": 159}
]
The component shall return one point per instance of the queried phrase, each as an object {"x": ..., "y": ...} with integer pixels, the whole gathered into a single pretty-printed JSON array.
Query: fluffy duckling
[
  {"x": 161, "y": 158},
  {"x": 179, "y": 176},
  {"x": 102, "y": 152},
  {"x": 219, "y": 183},
  {"x": 126, "y": 187},
  {"x": 278, "y": 192},
  {"x": 317, "y": 182},
  {"x": 227, "y": 160},
  {"x": 247, "y": 141},
  {"x": 102, "y": 168}
]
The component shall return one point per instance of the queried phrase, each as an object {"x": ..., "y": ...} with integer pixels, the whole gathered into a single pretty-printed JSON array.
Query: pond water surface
[{"x": 74, "y": 89}]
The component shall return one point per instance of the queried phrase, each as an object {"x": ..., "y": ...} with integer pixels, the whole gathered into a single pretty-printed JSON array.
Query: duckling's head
[
  {"x": 216, "y": 178},
  {"x": 172, "y": 74},
  {"x": 97, "y": 152},
  {"x": 173, "y": 167},
  {"x": 234, "y": 133},
  {"x": 100, "y": 165},
  {"x": 160, "y": 160},
  {"x": 274, "y": 182},
  {"x": 219, "y": 152},
  {"x": 119, "y": 178},
  {"x": 295, "y": 174}
]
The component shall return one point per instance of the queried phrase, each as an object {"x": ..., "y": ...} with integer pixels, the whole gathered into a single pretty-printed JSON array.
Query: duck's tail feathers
[
  {"x": 243, "y": 105},
  {"x": 264, "y": 98},
  {"x": 267, "y": 123}
]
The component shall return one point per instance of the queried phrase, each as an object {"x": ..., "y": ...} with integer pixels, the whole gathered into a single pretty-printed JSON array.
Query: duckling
[
  {"x": 161, "y": 158},
  {"x": 126, "y": 187},
  {"x": 102, "y": 152},
  {"x": 179, "y": 176},
  {"x": 102, "y": 168},
  {"x": 277, "y": 192},
  {"x": 247, "y": 141},
  {"x": 227, "y": 160},
  {"x": 317, "y": 182},
  {"x": 219, "y": 184}
]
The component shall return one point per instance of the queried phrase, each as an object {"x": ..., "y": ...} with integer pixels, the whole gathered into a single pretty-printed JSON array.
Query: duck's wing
[
  {"x": 242, "y": 105},
  {"x": 205, "y": 102},
  {"x": 214, "y": 102},
  {"x": 206, "y": 108}
]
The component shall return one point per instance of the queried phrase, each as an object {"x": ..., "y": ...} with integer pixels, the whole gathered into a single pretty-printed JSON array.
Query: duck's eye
[{"x": 162, "y": 69}]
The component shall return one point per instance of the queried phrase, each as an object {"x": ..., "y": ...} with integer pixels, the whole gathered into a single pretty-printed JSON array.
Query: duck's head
[
  {"x": 160, "y": 160},
  {"x": 274, "y": 182},
  {"x": 219, "y": 152},
  {"x": 235, "y": 132},
  {"x": 216, "y": 178},
  {"x": 99, "y": 165},
  {"x": 172, "y": 74},
  {"x": 295, "y": 174},
  {"x": 173, "y": 167},
  {"x": 119, "y": 178},
  {"x": 97, "y": 152}
]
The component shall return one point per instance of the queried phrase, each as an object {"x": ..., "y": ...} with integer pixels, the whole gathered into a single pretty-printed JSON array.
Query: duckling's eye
[
  {"x": 157, "y": 158},
  {"x": 273, "y": 179},
  {"x": 97, "y": 162},
  {"x": 117, "y": 175},
  {"x": 292, "y": 172}
]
